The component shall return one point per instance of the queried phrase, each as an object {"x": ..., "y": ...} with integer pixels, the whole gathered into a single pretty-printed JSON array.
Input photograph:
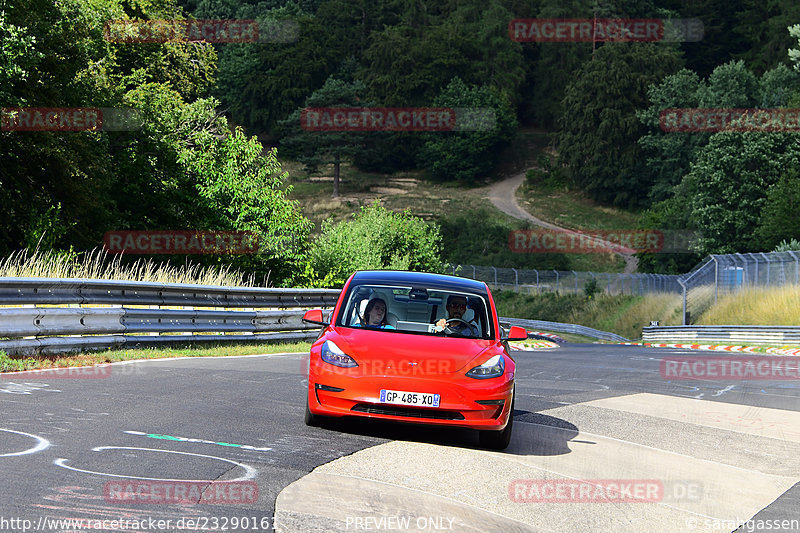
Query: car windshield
[{"x": 418, "y": 310}]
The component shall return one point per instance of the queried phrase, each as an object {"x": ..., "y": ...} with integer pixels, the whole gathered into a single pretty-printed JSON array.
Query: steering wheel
[{"x": 473, "y": 327}]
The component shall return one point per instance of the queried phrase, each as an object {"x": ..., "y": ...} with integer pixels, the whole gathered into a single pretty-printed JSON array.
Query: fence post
[
  {"x": 538, "y": 290},
  {"x": 683, "y": 285},
  {"x": 767, "y": 260},
  {"x": 744, "y": 270},
  {"x": 556, "y": 271},
  {"x": 473, "y": 271},
  {"x": 516, "y": 279},
  {"x": 495, "y": 276},
  {"x": 796, "y": 268},
  {"x": 756, "y": 260},
  {"x": 576, "y": 281},
  {"x": 716, "y": 277}
]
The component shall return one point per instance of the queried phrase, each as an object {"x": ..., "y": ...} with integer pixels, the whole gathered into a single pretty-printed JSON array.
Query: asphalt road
[{"x": 583, "y": 412}]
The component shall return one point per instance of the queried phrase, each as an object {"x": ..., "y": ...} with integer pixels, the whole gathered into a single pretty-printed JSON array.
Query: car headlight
[
  {"x": 492, "y": 368},
  {"x": 334, "y": 355}
]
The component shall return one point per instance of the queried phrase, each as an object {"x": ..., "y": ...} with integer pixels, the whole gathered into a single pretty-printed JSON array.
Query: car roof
[{"x": 429, "y": 280}]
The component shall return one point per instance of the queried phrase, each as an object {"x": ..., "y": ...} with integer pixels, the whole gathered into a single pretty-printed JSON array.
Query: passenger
[{"x": 375, "y": 314}]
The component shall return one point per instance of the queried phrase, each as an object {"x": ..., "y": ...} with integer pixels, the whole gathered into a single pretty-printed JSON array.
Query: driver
[{"x": 456, "y": 307}]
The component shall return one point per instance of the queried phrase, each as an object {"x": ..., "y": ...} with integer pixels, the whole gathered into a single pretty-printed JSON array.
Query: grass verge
[
  {"x": 769, "y": 306},
  {"x": 569, "y": 208},
  {"x": 621, "y": 314},
  {"x": 19, "y": 363}
]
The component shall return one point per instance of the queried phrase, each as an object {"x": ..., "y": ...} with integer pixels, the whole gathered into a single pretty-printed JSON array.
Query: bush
[
  {"x": 375, "y": 239},
  {"x": 590, "y": 288}
]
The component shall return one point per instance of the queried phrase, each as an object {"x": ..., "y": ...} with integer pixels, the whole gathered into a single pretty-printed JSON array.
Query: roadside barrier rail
[
  {"x": 237, "y": 314},
  {"x": 724, "y": 334},
  {"x": 562, "y": 327}
]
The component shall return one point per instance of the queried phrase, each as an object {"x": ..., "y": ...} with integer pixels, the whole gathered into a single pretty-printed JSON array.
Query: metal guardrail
[
  {"x": 566, "y": 328},
  {"x": 63, "y": 329},
  {"x": 727, "y": 334},
  {"x": 17, "y": 291}
]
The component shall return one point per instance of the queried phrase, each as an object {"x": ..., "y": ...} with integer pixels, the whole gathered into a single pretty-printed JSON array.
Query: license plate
[{"x": 418, "y": 399}]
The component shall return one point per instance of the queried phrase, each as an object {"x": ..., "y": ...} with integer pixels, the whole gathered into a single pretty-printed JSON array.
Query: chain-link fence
[
  {"x": 702, "y": 287},
  {"x": 569, "y": 281},
  {"x": 719, "y": 275}
]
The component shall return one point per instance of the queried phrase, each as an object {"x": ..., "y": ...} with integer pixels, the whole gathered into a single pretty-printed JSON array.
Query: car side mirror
[
  {"x": 314, "y": 316},
  {"x": 516, "y": 334}
]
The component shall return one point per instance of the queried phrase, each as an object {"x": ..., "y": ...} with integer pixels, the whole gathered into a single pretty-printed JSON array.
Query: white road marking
[
  {"x": 41, "y": 443},
  {"x": 250, "y": 472}
]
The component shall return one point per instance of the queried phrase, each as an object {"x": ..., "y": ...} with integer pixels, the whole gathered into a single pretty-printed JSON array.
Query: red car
[{"x": 418, "y": 348}]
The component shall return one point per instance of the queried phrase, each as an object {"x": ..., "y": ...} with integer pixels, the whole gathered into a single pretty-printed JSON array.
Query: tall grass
[
  {"x": 777, "y": 306},
  {"x": 97, "y": 264},
  {"x": 621, "y": 314},
  {"x": 627, "y": 315}
]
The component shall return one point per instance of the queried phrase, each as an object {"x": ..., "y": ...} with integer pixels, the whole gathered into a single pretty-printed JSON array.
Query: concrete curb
[
  {"x": 539, "y": 345},
  {"x": 727, "y": 348}
]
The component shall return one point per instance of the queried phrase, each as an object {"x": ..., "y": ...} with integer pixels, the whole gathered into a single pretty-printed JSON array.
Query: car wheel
[
  {"x": 311, "y": 419},
  {"x": 499, "y": 440}
]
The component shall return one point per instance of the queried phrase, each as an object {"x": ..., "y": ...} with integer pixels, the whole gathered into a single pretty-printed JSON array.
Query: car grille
[{"x": 407, "y": 412}]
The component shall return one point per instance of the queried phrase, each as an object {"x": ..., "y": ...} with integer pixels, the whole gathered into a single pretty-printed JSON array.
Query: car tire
[
  {"x": 499, "y": 440},
  {"x": 310, "y": 418}
]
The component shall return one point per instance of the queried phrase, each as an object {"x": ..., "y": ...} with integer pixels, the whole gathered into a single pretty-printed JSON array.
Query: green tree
[
  {"x": 374, "y": 239},
  {"x": 762, "y": 27},
  {"x": 667, "y": 155},
  {"x": 467, "y": 155},
  {"x": 728, "y": 186},
  {"x": 262, "y": 83},
  {"x": 315, "y": 148},
  {"x": 599, "y": 126},
  {"x": 779, "y": 220}
]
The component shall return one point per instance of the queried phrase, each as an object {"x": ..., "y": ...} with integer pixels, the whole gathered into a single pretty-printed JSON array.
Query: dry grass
[
  {"x": 627, "y": 316},
  {"x": 97, "y": 264},
  {"x": 768, "y": 306}
]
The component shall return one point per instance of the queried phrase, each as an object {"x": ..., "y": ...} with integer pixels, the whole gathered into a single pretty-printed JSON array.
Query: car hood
[{"x": 397, "y": 352}]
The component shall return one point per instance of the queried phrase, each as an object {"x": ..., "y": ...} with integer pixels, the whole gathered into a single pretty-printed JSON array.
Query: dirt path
[{"x": 503, "y": 196}]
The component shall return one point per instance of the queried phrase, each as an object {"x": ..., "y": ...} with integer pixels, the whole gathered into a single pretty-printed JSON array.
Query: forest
[{"x": 213, "y": 120}]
